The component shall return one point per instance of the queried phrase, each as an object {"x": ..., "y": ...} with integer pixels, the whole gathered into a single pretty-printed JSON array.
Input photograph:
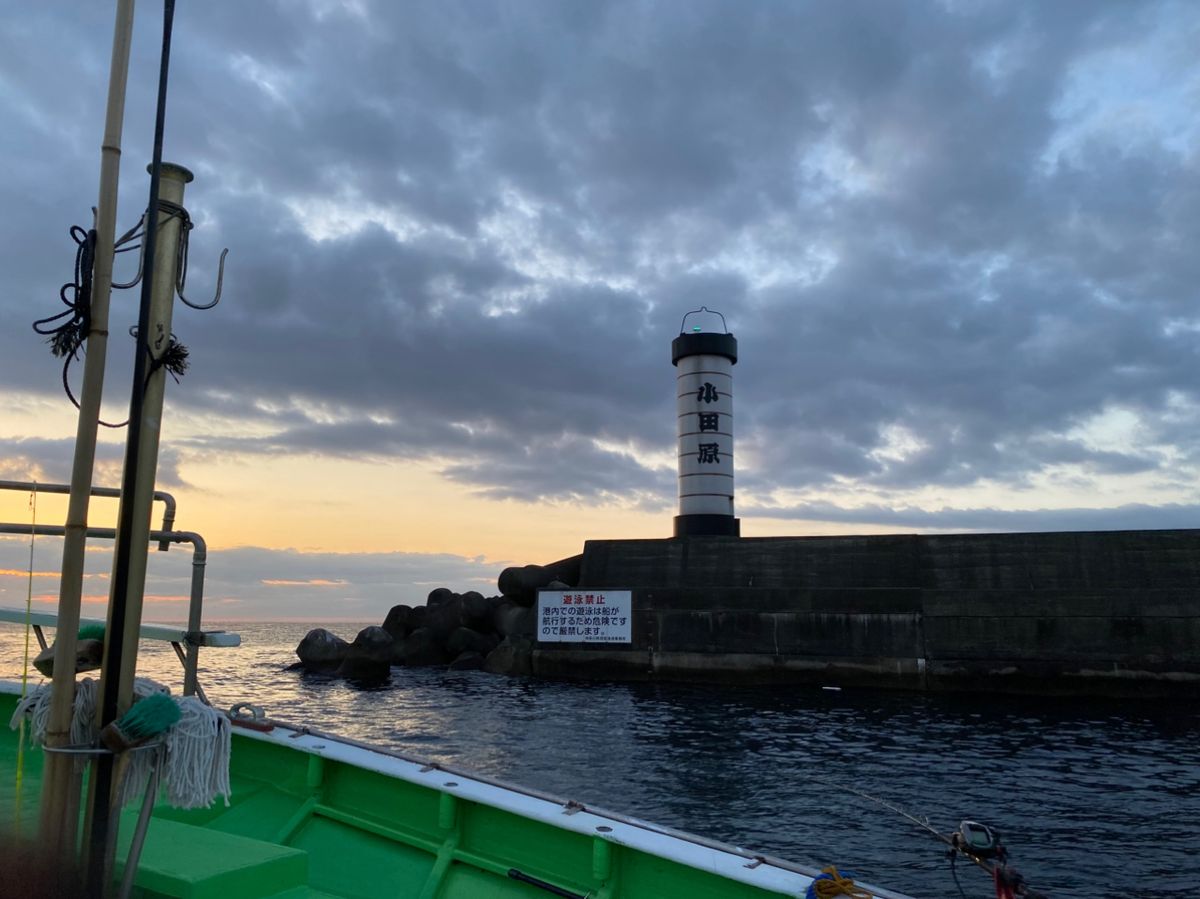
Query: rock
[
  {"x": 446, "y": 618},
  {"x": 521, "y": 584},
  {"x": 369, "y": 657},
  {"x": 89, "y": 655},
  {"x": 467, "y": 661},
  {"x": 416, "y": 618},
  {"x": 421, "y": 647},
  {"x": 476, "y": 611},
  {"x": 514, "y": 657},
  {"x": 466, "y": 640},
  {"x": 397, "y": 623},
  {"x": 321, "y": 650},
  {"x": 438, "y": 595},
  {"x": 509, "y": 582},
  {"x": 510, "y": 620}
]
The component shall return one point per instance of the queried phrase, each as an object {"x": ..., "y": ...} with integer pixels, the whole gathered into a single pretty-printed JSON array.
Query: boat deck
[{"x": 313, "y": 815}]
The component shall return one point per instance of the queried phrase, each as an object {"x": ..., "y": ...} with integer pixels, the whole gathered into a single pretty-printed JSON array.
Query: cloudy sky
[{"x": 956, "y": 242}]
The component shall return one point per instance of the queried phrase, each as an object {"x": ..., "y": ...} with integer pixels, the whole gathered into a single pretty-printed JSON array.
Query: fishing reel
[{"x": 977, "y": 840}]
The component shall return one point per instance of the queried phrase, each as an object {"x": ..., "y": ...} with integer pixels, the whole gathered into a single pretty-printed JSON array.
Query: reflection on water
[{"x": 1093, "y": 798}]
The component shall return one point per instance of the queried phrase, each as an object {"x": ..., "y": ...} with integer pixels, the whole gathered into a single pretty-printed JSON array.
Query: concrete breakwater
[
  {"x": 460, "y": 631},
  {"x": 1097, "y": 613}
]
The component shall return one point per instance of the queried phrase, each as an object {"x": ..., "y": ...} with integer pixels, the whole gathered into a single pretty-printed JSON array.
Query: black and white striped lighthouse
[{"x": 704, "y": 360}]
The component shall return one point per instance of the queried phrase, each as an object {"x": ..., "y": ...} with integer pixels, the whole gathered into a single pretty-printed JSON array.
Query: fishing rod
[
  {"x": 976, "y": 842},
  {"x": 99, "y": 843}
]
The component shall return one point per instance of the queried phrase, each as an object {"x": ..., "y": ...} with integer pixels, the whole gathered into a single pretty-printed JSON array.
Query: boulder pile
[{"x": 458, "y": 631}]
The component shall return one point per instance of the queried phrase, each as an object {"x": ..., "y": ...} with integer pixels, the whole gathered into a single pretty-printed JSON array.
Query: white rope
[{"x": 195, "y": 766}]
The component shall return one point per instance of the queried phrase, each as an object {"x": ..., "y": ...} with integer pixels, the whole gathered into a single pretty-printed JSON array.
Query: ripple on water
[{"x": 1094, "y": 799}]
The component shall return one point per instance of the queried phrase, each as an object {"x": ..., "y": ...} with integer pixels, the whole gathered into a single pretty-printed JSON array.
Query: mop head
[
  {"x": 195, "y": 769},
  {"x": 147, "y": 718}
]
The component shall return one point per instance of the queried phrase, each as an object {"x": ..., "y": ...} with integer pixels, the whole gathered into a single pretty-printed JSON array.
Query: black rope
[
  {"x": 101, "y": 776},
  {"x": 954, "y": 874},
  {"x": 173, "y": 357},
  {"x": 67, "y": 337}
]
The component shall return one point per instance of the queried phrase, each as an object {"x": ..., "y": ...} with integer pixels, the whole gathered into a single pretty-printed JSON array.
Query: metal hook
[
  {"x": 220, "y": 280},
  {"x": 141, "y": 254}
]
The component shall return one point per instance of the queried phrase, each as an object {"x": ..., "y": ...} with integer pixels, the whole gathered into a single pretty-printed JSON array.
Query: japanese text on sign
[{"x": 582, "y": 616}]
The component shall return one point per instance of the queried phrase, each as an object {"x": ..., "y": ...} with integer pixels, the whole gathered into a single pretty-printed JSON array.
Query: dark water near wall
[{"x": 1093, "y": 798}]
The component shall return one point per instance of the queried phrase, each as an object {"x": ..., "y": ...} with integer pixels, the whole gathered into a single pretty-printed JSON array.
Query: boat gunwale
[{"x": 692, "y": 850}]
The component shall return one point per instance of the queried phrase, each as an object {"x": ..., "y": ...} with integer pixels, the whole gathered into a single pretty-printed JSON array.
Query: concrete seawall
[{"x": 1111, "y": 613}]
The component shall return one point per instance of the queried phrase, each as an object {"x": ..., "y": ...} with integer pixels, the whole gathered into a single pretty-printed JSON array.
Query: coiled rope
[
  {"x": 67, "y": 338},
  {"x": 831, "y": 883}
]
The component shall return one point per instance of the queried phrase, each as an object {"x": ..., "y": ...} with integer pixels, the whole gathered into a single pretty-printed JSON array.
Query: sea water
[{"x": 1093, "y": 798}]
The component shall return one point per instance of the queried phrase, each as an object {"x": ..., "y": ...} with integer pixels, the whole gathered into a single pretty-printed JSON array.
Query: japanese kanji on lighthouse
[{"x": 704, "y": 361}]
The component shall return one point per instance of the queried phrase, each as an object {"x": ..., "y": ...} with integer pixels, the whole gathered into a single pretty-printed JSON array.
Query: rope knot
[{"x": 831, "y": 882}]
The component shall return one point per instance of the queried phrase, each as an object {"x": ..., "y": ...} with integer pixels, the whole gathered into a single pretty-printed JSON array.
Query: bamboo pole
[
  {"x": 60, "y": 790},
  {"x": 101, "y": 838}
]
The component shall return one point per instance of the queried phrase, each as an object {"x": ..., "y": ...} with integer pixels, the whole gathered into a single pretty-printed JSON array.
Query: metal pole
[
  {"x": 168, "y": 501},
  {"x": 100, "y": 839},
  {"x": 60, "y": 786},
  {"x": 189, "y": 659},
  {"x": 155, "y": 340},
  {"x": 199, "y": 560}
]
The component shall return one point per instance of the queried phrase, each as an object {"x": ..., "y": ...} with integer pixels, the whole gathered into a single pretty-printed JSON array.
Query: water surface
[{"x": 1093, "y": 798}]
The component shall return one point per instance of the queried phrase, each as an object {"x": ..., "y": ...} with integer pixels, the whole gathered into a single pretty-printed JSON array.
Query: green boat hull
[{"x": 314, "y": 815}]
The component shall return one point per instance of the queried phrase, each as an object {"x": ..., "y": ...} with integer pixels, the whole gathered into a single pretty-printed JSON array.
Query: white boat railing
[
  {"x": 164, "y": 632},
  {"x": 185, "y": 642}
]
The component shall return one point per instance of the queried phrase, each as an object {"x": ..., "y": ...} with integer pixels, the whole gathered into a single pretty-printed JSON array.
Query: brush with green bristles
[
  {"x": 91, "y": 632},
  {"x": 149, "y": 717}
]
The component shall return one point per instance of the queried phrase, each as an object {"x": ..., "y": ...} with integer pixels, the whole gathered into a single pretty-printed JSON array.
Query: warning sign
[{"x": 591, "y": 616}]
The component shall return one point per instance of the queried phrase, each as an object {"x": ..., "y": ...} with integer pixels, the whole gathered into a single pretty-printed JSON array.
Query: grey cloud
[
  {"x": 552, "y": 187},
  {"x": 50, "y": 461},
  {"x": 1132, "y": 516},
  {"x": 564, "y": 470},
  {"x": 252, "y": 582}
]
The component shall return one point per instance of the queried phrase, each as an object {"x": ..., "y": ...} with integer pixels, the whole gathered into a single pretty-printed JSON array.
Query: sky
[{"x": 955, "y": 241}]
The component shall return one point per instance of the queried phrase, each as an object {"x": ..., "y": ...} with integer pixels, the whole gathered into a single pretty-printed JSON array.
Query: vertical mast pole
[
  {"x": 60, "y": 791},
  {"x": 101, "y": 836},
  {"x": 154, "y": 342}
]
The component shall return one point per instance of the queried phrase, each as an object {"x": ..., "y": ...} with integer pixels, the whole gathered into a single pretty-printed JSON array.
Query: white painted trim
[{"x": 148, "y": 631}]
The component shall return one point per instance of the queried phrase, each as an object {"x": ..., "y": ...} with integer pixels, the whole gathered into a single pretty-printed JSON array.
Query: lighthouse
[{"x": 704, "y": 360}]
